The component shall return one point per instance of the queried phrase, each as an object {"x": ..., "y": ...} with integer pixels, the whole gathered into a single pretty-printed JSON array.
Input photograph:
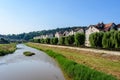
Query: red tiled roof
[{"x": 118, "y": 26}]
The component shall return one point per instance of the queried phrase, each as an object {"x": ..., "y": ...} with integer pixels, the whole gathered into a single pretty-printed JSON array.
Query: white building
[
  {"x": 91, "y": 29},
  {"x": 44, "y": 36}
]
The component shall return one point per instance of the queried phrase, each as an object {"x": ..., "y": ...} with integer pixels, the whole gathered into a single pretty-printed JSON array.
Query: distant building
[
  {"x": 49, "y": 36},
  {"x": 118, "y": 27},
  {"x": 66, "y": 33},
  {"x": 58, "y": 34},
  {"x": 91, "y": 29},
  {"x": 97, "y": 28},
  {"x": 44, "y": 36}
]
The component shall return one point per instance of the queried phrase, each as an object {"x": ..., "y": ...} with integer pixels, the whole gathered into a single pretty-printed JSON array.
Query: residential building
[
  {"x": 97, "y": 28},
  {"x": 58, "y": 34}
]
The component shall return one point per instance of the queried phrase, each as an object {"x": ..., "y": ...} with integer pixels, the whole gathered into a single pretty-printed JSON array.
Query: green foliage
[
  {"x": 66, "y": 41},
  {"x": 69, "y": 40},
  {"x": 7, "y": 49},
  {"x": 42, "y": 41},
  {"x": 31, "y": 40},
  {"x": 78, "y": 71},
  {"x": 79, "y": 39},
  {"x": 30, "y": 35},
  {"x": 47, "y": 41},
  {"x": 62, "y": 40},
  {"x": 117, "y": 39},
  {"x": 27, "y": 53},
  {"x": 3, "y": 41},
  {"x": 55, "y": 40},
  {"x": 96, "y": 39},
  {"x": 36, "y": 40},
  {"x": 108, "y": 40}
]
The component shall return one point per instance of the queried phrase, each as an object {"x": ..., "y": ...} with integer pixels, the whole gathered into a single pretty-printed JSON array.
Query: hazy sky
[{"x": 17, "y": 16}]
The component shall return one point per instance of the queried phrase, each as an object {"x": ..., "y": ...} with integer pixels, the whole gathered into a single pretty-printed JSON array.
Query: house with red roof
[{"x": 97, "y": 28}]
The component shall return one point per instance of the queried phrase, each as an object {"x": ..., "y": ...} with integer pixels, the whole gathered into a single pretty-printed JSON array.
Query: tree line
[
  {"x": 78, "y": 39},
  {"x": 110, "y": 39},
  {"x": 30, "y": 35}
]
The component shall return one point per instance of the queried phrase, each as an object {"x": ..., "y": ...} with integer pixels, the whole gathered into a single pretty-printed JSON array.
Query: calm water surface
[{"x": 37, "y": 67}]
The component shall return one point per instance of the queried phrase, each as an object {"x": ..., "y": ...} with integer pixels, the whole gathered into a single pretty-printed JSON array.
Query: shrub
[
  {"x": 7, "y": 49},
  {"x": 55, "y": 40},
  {"x": 69, "y": 40},
  {"x": 42, "y": 41},
  {"x": 47, "y": 41},
  {"x": 117, "y": 39},
  {"x": 66, "y": 41},
  {"x": 96, "y": 39},
  {"x": 79, "y": 39},
  {"x": 108, "y": 40},
  {"x": 62, "y": 40},
  {"x": 27, "y": 53}
]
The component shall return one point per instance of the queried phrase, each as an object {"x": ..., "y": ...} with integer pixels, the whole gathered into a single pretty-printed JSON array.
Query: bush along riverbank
[
  {"x": 27, "y": 53},
  {"x": 77, "y": 71},
  {"x": 7, "y": 49}
]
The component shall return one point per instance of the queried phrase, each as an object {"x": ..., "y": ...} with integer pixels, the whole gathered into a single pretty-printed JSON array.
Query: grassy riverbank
[
  {"x": 7, "y": 49},
  {"x": 107, "y": 65}
]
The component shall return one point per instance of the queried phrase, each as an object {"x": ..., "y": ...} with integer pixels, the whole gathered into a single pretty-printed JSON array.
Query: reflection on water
[{"x": 37, "y": 67}]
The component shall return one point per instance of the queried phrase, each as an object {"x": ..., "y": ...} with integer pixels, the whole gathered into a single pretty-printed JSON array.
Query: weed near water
[
  {"x": 78, "y": 71},
  {"x": 7, "y": 49},
  {"x": 27, "y": 53}
]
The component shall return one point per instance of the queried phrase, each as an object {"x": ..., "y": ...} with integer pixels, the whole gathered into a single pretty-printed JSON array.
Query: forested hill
[{"x": 30, "y": 35}]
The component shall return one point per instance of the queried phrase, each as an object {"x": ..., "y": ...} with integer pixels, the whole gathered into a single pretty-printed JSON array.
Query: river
[{"x": 40, "y": 66}]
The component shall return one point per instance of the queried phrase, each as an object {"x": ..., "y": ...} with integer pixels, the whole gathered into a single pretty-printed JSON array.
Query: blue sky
[{"x": 18, "y": 16}]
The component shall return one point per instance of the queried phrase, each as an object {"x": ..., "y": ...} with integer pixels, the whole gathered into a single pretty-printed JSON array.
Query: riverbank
[
  {"x": 101, "y": 62},
  {"x": 40, "y": 66},
  {"x": 7, "y": 49}
]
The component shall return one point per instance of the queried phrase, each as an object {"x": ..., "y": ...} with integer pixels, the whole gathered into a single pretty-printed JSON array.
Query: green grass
[
  {"x": 7, "y": 49},
  {"x": 75, "y": 70},
  {"x": 27, "y": 53}
]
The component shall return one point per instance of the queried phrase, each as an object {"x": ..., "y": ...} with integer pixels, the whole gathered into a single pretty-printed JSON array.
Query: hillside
[{"x": 30, "y": 35}]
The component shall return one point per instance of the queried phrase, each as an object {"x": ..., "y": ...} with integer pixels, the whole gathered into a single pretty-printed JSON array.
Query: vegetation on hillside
[
  {"x": 3, "y": 41},
  {"x": 30, "y": 35},
  {"x": 7, "y": 49}
]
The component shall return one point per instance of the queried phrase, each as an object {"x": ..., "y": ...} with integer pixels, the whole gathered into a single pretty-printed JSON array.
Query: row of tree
[
  {"x": 30, "y": 35},
  {"x": 4, "y": 41},
  {"x": 109, "y": 39},
  {"x": 78, "y": 39}
]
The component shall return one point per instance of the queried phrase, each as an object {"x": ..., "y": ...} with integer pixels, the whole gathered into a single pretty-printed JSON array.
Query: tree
[
  {"x": 96, "y": 39},
  {"x": 36, "y": 40},
  {"x": 3, "y": 41},
  {"x": 106, "y": 43},
  {"x": 66, "y": 41},
  {"x": 79, "y": 39},
  {"x": 62, "y": 40},
  {"x": 47, "y": 40},
  {"x": 69, "y": 40},
  {"x": 42, "y": 41},
  {"x": 117, "y": 39},
  {"x": 55, "y": 40}
]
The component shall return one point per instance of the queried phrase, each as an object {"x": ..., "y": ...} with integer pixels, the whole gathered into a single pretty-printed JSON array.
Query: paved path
[{"x": 86, "y": 49}]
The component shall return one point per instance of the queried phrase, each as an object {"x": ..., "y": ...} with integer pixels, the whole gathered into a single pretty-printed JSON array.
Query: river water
[{"x": 37, "y": 67}]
